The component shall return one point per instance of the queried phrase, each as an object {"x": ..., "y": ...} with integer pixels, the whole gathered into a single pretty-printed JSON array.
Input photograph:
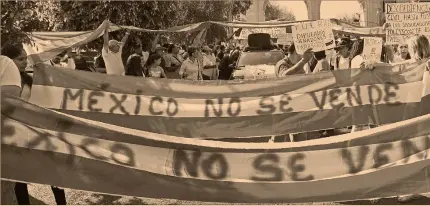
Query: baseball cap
[{"x": 159, "y": 47}]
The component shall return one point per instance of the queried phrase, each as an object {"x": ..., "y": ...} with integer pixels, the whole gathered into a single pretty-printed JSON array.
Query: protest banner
[
  {"x": 317, "y": 35},
  {"x": 218, "y": 109},
  {"x": 372, "y": 50},
  {"x": 46, "y": 45},
  {"x": 78, "y": 153},
  {"x": 285, "y": 38},
  {"x": 406, "y": 20},
  {"x": 274, "y": 32}
]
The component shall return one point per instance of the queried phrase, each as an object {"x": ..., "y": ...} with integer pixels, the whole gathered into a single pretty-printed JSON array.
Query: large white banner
[{"x": 406, "y": 20}]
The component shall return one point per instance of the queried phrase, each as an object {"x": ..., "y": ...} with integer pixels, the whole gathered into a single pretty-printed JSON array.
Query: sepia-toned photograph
[{"x": 215, "y": 102}]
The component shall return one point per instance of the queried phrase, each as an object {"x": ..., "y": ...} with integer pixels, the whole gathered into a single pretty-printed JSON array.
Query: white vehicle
[
  {"x": 257, "y": 64},
  {"x": 258, "y": 60}
]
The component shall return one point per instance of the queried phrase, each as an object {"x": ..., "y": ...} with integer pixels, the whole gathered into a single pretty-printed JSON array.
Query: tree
[
  {"x": 274, "y": 12},
  {"x": 19, "y": 17}
]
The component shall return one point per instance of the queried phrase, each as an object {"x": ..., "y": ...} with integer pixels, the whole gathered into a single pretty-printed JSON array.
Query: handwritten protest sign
[
  {"x": 372, "y": 49},
  {"x": 285, "y": 38},
  {"x": 406, "y": 20},
  {"x": 274, "y": 32},
  {"x": 317, "y": 35}
]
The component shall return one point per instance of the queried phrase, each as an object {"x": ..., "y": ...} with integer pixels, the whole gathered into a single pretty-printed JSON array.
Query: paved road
[{"x": 41, "y": 195}]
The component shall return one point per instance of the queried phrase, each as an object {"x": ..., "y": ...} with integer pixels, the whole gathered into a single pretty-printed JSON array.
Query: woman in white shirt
[
  {"x": 10, "y": 79},
  {"x": 16, "y": 82},
  {"x": 13, "y": 78},
  {"x": 356, "y": 54}
]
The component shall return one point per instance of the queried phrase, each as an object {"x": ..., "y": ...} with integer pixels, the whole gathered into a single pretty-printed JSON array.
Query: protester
[
  {"x": 294, "y": 63},
  {"x": 135, "y": 67},
  {"x": 10, "y": 79},
  {"x": 81, "y": 64},
  {"x": 112, "y": 54},
  {"x": 183, "y": 52},
  {"x": 210, "y": 70},
  {"x": 58, "y": 60},
  {"x": 191, "y": 67},
  {"x": 221, "y": 52},
  {"x": 18, "y": 55},
  {"x": 13, "y": 81},
  {"x": 419, "y": 48},
  {"x": 153, "y": 68},
  {"x": 403, "y": 54},
  {"x": 159, "y": 50},
  {"x": 145, "y": 52},
  {"x": 99, "y": 63},
  {"x": 173, "y": 62},
  {"x": 227, "y": 66},
  {"x": 357, "y": 54},
  {"x": 322, "y": 63},
  {"x": 343, "y": 60},
  {"x": 137, "y": 51}
]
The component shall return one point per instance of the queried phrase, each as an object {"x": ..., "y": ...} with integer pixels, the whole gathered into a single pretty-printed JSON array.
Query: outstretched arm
[
  {"x": 125, "y": 38},
  {"x": 106, "y": 39}
]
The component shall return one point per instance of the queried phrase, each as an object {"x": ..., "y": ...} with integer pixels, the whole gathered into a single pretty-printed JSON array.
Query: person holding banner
[
  {"x": 15, "y": 81},
  {"x": 294, "y": 63},
  {"x": 342, "y": 60},
  {"x": 112, "y": 53},
  {"x": 419, "y": 50},
  {"x": 322, "y": 63}
]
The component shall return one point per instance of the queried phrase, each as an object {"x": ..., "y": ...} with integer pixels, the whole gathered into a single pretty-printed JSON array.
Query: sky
[{"x": 329, "y": 9}]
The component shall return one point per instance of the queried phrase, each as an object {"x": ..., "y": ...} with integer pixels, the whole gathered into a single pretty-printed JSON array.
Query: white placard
[
  {"x": 274, "y": 32},
  {"x": 372, "y": 49},
  {"x": 406, "y": 20},
  {"x": 317, "y": 35},
  {"x": 285, "y": 38}
]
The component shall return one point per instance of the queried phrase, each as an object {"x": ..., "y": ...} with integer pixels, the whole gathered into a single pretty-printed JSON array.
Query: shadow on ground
[
  {"x": 35, "y": 201},
  {"x": 102, "y": 199},
  {"x": 422, "y": 200}
]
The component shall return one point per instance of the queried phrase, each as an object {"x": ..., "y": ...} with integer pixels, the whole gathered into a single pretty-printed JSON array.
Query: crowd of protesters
[{"x": 207, "y": 62}]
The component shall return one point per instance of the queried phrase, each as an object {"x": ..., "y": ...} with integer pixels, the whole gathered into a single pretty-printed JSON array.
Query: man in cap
[
  {"x": 342, "y": 60},
  {"x": 112, "y": 54}
]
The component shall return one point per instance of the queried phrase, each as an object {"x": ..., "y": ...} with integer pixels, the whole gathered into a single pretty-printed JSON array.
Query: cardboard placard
[
  {"x": 372, "y": 49},
  {"x": 406, "y": 20},
  {"x": 317, "y": 35}
]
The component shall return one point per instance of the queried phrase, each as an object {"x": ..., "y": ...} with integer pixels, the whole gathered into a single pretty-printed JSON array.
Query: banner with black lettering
[
  {"x": 72, "y": 152},
  {"x": 236, "y": 109}
]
